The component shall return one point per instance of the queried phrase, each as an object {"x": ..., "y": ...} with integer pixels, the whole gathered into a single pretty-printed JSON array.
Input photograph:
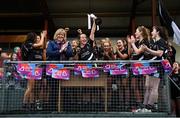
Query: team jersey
[
  {"x": 159, "y": 45},
  {"x": 125, "y": 51},
  {"x": 141, "y": 56},
  {"x": 86, "y": 53}
]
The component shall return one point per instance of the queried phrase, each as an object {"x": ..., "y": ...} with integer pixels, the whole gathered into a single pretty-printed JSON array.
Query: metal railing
[{"x": 80, "y": 86}]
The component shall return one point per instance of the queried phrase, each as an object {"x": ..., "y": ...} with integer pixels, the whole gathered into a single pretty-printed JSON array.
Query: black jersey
[
  {"x": 125, "y": 51},
  {"x": 31, "y": 53},
  {"x": 86, "y": 53},
  {"x": 159, "y": 45},
  {"x": 149, "y": 56},
  {"x": 37, "y": 55},
  {"x": 26, "y": 51},
  {"x": 142, "y": 55}
]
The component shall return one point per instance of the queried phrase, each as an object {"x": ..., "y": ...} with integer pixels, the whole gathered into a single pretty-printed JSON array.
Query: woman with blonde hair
[
  {"x": 75, "y": 48},
  {"x": 137, "y": 53},
  {"x": 108, "y": 53},
  {"x": 57, "y": 49}
]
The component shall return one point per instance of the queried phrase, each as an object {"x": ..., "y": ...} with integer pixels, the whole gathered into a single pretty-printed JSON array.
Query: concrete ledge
[{"x": 87, "y": 115}]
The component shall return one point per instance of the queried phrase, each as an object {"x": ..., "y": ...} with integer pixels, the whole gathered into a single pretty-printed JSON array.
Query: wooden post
[
  {"x": 133, "y": 25},
  {"x": 154, "y": 12},
  {"x": 132, "y": 22}
]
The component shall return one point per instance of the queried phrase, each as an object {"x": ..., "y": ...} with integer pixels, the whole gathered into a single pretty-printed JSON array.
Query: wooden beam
[
  {"x": 19, "y": 31},
  {"x": 46, "y": 24},
  {"x": 82, "y": 15},
  {"x": 12, "y": 38},
  {"x": 106, "y": 14},
  {"x": 19, "y": 15},
  {"x": 45, "y": 11},
  {"x": 78, "y": 15},
  {"x": 154, "y": 12},
  {"x": 133, "y": 25},
  {"x": 132, "y": 22}
]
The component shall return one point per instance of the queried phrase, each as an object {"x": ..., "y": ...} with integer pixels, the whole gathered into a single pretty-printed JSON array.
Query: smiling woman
[
  {"x": 58, "y": 49},
  {"x": 120, "y": 18}
]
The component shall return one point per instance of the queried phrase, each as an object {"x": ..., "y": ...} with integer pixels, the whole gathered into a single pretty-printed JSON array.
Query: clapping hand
[
  {"x": 144, "y": 47},
  {"x": 133, "y": 39},
  {"x": 43, "y": 33},
  {"x": 64, "y": 46}
]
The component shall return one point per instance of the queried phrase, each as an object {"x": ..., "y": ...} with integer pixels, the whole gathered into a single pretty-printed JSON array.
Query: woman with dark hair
[
  {"x": 121, "y": 53},
  {"x": 174, "y": 84},
  {"x": 157, "y": 49},
  {"x": 86, "y": 46},
  {"x": 28, "y": 54},
  {"x": 121, "y": 50}
]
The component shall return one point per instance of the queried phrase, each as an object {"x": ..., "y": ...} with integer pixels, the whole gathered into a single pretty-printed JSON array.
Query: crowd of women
[{"x": 145, "y": 44}]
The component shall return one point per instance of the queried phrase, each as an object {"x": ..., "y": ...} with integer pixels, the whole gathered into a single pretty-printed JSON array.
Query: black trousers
[{"x": 53, "y": 85}]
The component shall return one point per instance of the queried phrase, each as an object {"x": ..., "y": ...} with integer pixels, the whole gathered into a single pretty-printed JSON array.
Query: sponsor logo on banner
[
  {"x": 50, "y": 67},
  {"x": 57, "y": 71},
  {"x": 63, "y": 74},
  {"x": 143, "y": 69},
  {"x": 120, "y": 71},
  {"x": 136, "y": 68},
  {"x": 25, "y": 69},
  {"x": 90, "y": 73},
  {"x": 79, "y": 67},
  {"x": 167, "y": 66},
  {"x": 148, "y": 70},
  {"x": 37, "y": 74},
  {"x": 108, "y": 67}
]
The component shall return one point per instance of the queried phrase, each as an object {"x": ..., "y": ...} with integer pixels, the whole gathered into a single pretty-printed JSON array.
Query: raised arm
[
  {"x": 122, "y": 56},
  {"x": 129, "y": 46},
  {"x": 41, "y": 42},
  {"x": 93, "y": 31},
  {"x": 136, "y": 50}
]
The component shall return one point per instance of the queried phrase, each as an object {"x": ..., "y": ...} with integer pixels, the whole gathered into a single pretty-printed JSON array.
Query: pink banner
[
  {"x": 122, "y": 71},
  {"x": 25, "y": 69},
  {"x": 79, "y": 67},
  {"x": 90, "y": 73},
  {"x": 109, "y": 67},
  {"x": 166, "y": 65},
  {"x": 50, "y": 67},
  {"x": 138, "y": 64},
  {"x": 144, "y": 70},
  {"x": 36, "y": 75},
  {"x": 63, "y": 74},
  {"x": 148, "y": 70}
]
